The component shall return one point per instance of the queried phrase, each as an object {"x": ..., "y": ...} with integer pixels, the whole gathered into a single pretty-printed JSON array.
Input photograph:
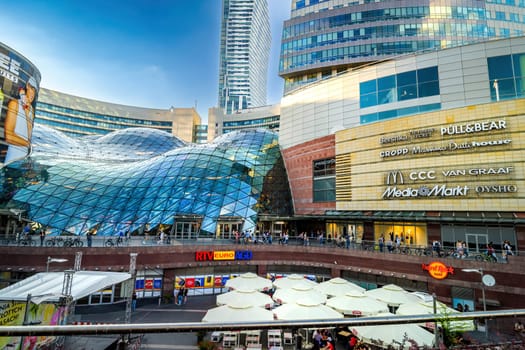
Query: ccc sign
[{"x": 396, "y": 177}]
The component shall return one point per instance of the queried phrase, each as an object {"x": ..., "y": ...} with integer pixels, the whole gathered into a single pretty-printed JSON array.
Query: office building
[
  {"x": 80, "y": 116},
  {"x": 326, "y": 37},
  {"x": 244, "y": 54}
]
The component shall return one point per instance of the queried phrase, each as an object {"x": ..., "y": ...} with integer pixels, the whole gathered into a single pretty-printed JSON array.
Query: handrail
[{"x": 182, "y": 327}]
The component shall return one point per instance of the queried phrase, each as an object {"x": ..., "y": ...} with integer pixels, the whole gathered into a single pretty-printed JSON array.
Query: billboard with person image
[{"x": 19, "y": 86}]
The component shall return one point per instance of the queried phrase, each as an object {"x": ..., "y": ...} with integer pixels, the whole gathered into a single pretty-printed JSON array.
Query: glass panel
[
  {"x": 407, "y": 92},
  {"x": 367, "y": 87},
  {"x": 407, "y": 78},
  {"x": 500, "y": 67},
  {"x": 386, "y": 83},
  {"x": 426, "y": 75},
  {"x": 428, "y": 89},
  {"x": 368, "y": 100}
]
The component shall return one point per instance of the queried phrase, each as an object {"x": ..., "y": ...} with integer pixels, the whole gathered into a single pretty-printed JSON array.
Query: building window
[
  {"x": 399, "y": 87},
  {"x": 506, "y": 76},
  {"x": 324, "y": 180}
]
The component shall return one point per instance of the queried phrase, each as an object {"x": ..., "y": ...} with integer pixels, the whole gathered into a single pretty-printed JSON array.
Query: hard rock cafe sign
[{"x": 438, "y": 270}]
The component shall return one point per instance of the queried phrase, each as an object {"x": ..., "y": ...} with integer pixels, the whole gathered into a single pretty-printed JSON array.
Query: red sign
[{"x": 438, "y": 270}]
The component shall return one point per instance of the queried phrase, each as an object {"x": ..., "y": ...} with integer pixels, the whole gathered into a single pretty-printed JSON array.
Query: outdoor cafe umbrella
[
  {"x": 397, "y": 336},
  {"x": 291, "y": 280},
  {"x": 237, "y": 313},
  {"x": 249, "y": 280},
  {"x": 357, "y": 304},
  {"x": 423, "y": 308},
  {"x": 338, "y": 286},
  {"x": 305, "y": 309},
  {"x": 300, "y": 290},
  {"x": 245, "y": 296},
  {"x": 393, "y": 295}
]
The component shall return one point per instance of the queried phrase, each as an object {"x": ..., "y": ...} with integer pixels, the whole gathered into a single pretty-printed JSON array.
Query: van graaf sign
[
  {"x": 396, "y": 177},
  {"x": 451, "y": 130}
]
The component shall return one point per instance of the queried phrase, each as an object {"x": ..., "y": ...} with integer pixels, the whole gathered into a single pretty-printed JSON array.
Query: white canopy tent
[
  {"x": 291, "y": 280},
  {"x": 393, "y": 295},
  {"x": 248, "y": 281},
  {"x": 357, "y": 304},
  {"x": 397, "y": 336},
  {"x": 300, "y": 290},
  {"x": 305, "y": 309},
  {"x": 423, "y": 308},
  {"x": 48, "y": 285},
  {"x": 237, "y": 313},
  {"x": 246, "y": 297},
  {"x": 338, "y": 286}
]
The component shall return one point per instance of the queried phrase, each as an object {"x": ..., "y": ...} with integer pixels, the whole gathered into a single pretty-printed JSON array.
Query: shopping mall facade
[{"x": 425, "y": 147}]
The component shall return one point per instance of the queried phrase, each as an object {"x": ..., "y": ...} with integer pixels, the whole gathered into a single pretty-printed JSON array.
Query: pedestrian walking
[
  {"x": 133, "y": 301},
  {"x": 42, "y": 236}
]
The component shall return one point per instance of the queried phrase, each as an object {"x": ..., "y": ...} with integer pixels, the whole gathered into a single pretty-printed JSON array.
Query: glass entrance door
[
  {"x": 476, "y": 242},
  {"x": 186, "y": 230}
]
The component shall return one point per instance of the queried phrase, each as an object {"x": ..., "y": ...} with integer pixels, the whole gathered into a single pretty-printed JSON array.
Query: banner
[{"x": 19, "y": 86}]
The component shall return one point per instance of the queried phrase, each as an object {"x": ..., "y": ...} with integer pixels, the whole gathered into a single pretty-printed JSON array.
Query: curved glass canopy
[{"x": 139, "y": 177}]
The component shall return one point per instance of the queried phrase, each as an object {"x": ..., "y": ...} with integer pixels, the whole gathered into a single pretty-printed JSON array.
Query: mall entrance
[
  {"x": 226, "y": 226},
  {"x": 186, "y": 227}
]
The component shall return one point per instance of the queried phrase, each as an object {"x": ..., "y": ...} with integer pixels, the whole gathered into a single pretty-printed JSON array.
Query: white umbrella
[
  {"x": 305, "y": 309},
  {"x": 393, "y": 295},
  {"x": 245, "y": 297},
  {"x": 291, "y": 280},
  {"x": 423, "y": 308},
  {"x": 249, "y": 280},
  {"x": 338, "y": 286},
  {"x": 299, "y": 290},
  {"x": 395, "y": 335},
  {"x": 357, "y": 304},
  {"x": 237, "y": 313}
]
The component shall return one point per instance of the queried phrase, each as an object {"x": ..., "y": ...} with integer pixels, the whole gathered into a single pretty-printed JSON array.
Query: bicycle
[
  {"x": 118, "y": 242},
  {"x": 485, "y": 257},
  {"x": 73, "y": 242},
  {"x": 55, "y": 241},
  {"x": 27, "y": 241}
]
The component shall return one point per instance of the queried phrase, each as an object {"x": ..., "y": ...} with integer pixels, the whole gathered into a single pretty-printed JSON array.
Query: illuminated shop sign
[
  {"x": 219, "y": 255},
  {"x": 470, "y": 128},
  {"x": 411, "y": 135},
  {"x": 452, "y": 146},
  {"x": 396, "y": 178},
  {"x": 450, "y": 130},
  {"x": 438, "y": 270}
]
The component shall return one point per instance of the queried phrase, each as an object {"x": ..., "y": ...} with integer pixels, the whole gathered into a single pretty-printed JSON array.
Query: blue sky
[{"x": 130, "y": 52}]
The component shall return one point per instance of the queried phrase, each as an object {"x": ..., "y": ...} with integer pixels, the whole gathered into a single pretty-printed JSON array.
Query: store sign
[
  {"x": 219, "y": 255},
  {"x": 425, "y": 191},
  {"x": 396, "y": 177},
  {"x": 449, "y": 130},
  {"x": 438, "y": 270}
]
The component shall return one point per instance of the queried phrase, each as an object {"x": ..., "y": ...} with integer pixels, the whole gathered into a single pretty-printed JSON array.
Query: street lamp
[
  {"x": 53, "y": 260},
  {"x": 486, "y": 280}
]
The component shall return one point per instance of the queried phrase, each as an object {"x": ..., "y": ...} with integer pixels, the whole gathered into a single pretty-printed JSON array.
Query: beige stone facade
[{"x": 464, "y": 159}]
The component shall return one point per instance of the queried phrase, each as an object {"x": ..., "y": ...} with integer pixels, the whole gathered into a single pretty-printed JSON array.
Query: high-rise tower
[
  {"x": 244, "y": 54},
  {"x": 326, "y": 37}
]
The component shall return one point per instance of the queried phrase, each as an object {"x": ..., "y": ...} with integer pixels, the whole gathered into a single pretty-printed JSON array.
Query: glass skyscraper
[
  {"x": 326, "y": 37},
  {"x": 244, "y": 54}
]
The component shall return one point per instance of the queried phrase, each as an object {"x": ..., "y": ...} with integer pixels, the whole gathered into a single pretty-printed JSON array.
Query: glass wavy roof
[{"x": 136, "y": 177}]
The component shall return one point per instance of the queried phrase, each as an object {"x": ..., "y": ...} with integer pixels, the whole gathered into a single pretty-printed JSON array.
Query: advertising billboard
[{"x": 19, "y": 86}]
